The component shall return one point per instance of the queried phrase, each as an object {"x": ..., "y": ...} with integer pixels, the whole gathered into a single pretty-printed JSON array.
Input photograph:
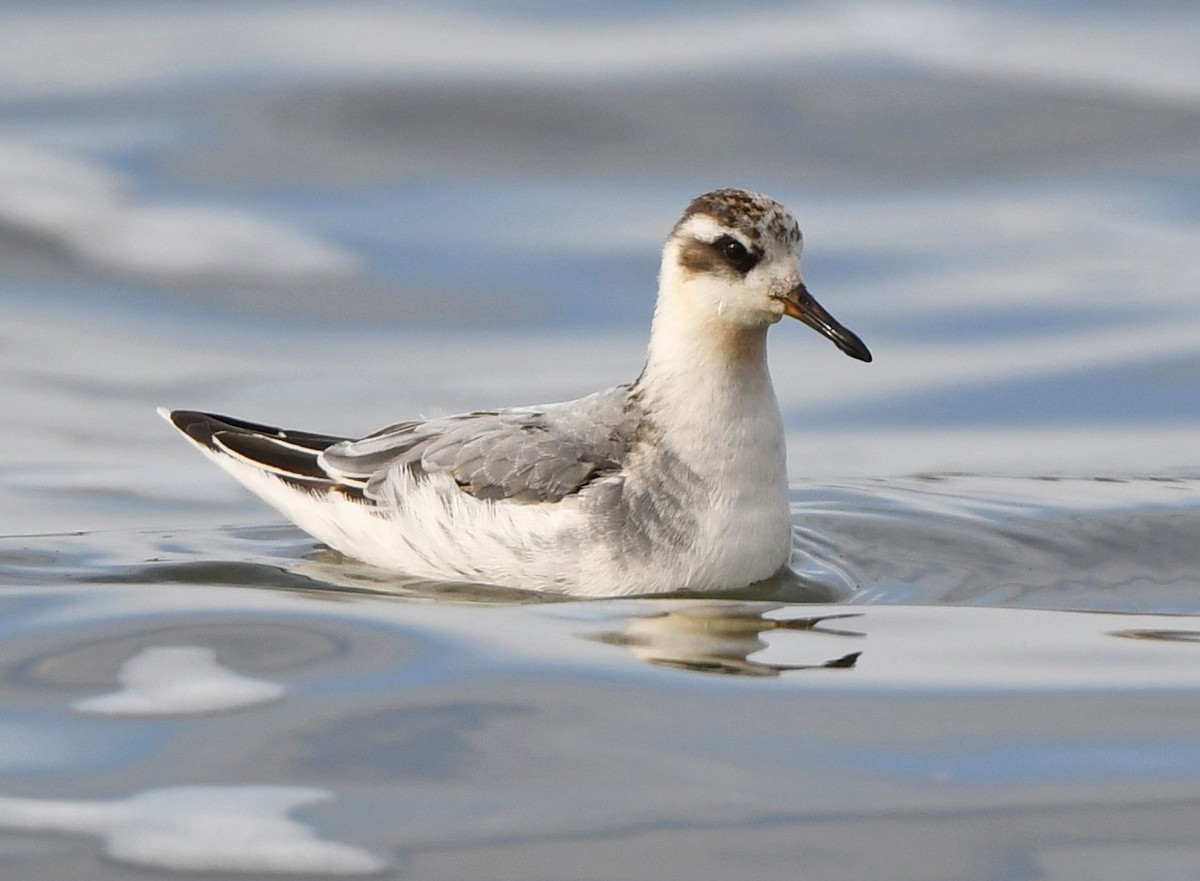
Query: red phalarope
[{"x": 675, "y": 481}]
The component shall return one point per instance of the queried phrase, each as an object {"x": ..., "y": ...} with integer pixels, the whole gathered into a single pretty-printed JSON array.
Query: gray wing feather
[{"x": 524, "y": 454}]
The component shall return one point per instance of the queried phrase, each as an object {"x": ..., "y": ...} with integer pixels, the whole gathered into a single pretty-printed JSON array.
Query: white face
[
  {"x": 740, "y": 273},
  {"x": 733, "y": 263}
]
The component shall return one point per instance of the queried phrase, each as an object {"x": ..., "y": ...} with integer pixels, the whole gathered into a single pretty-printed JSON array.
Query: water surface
[{"x": 983, "y": 662}]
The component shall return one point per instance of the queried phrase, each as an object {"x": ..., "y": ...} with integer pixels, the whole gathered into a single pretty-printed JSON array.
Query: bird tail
[{"x": 291, "y": 456}]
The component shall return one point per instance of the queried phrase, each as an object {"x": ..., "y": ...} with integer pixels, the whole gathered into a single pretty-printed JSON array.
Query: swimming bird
[{"x": 675, "y": 481}]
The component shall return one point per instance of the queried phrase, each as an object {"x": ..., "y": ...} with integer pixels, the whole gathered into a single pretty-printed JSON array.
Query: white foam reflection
[
  {"x": 95, "y": 216},
  {"x": 170, "y": 680},
  {"x": 242, "y": 829}
]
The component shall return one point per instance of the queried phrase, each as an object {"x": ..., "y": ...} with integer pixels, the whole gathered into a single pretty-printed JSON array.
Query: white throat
[{"x": 708, "y": 381}]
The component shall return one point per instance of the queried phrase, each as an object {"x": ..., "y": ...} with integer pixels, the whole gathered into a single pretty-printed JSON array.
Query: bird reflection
[
  {"x": 721, "y": 638},
  {"x": 1160, "y": 634}
]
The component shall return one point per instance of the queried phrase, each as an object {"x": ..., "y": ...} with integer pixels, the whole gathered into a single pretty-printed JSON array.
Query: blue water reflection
[
  {"x": 336, "y": 215},
  {"x": 1074, "y": 761}
]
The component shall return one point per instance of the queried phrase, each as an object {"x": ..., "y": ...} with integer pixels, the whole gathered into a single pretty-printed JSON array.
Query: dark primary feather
[
  {"x": 534, "y": 454},
  {"x": 203, "y": 426},
  {"x": 292, "y": 455}
]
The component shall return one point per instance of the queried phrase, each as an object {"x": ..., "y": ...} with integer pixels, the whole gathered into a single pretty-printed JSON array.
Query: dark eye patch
[{"x": 736, "y": 254}]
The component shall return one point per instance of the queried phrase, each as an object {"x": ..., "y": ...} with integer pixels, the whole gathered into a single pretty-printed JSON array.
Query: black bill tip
[{"x": 800, "y": 304}]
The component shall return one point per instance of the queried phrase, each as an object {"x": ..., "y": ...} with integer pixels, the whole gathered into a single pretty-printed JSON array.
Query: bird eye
[
  {"x": 733, "y": 250},
  {"x": 735, "y": 253}
]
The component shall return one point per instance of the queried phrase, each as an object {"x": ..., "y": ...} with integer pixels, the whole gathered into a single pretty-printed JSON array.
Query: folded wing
[{"x": 528, "y": 454}]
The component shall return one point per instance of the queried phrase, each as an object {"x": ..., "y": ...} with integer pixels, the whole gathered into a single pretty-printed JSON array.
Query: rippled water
[{"x": 984, "y": 662}]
